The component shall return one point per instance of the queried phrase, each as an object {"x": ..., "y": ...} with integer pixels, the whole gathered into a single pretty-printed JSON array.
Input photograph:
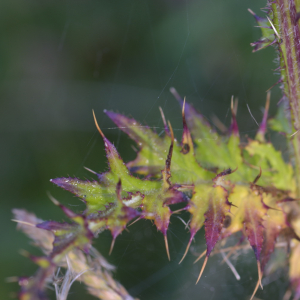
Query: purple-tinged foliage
[
  {"x": 196, "y": 172},
  {"x": 92, "y": 270},
  {"x": 89, "y": 192},
  {"x": 146, "y": 163},
  {"x": 117, "y": 221},
  {"x": 68, "y": 184},
  {"x": 117, "y": 197},
  {"x": 27, "y": 223},
  {"x": 268, "y": 38}
]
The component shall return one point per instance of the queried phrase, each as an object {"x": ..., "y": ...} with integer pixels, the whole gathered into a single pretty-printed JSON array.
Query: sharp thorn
[
  {"x": 178, "y": 210},
  {"x": 167, "y": 246},
  {"x": 175, "y": 93},
  {"x": 202, "y": 269},
  {"x": 259, "y": 274},
  {"x": 251, "y": 12},
  {"x": 267, "y": 27},
  {"x": 234, "y": 105},
  {"x": 66, "y": 210},
  {"x": 227, "y": 255},
  {"x": 97, "y": 126},
  {"x": 268, "y": 101},
  {"x": 171, "y": 131},
  {"x": 164, "y": 121},
  {"x": 269, "y": 89},
  {"x": 200, "y": 256},
  {"x": 112, "y": 246},
  {"x": 234, "y": 170},
  {"x": 230, "y": 265},
  {"x": 255, "y": 290},
  {"x": 294, "y": 133},
  {"x": 134, "y": 221},
  {"x": 186, "y": 251},
  {"x": 88, "y": 169},
  {"x": 277, "y": 34},
  {"x": 186, "y": 141},
  {"x": 183, "y": 108},
  {"x": 53, "y": 199},
  {"x": 23, "y": 222}
]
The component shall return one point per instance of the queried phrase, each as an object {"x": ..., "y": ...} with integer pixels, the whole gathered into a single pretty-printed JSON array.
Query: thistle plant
[{"x": 225, "y": 185}]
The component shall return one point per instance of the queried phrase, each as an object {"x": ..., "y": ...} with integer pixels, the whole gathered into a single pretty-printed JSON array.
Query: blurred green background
[{"x": 61, "y": 59}]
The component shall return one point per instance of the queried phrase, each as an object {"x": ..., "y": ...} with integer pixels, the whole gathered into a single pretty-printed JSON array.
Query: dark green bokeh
[{"x": 61, "y": 59}]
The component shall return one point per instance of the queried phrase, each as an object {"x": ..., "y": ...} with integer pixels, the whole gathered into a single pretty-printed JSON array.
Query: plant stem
[{"x": 285, "y": 19}]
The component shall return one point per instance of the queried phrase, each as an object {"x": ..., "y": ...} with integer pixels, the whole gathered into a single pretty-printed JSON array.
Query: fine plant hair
[{"x": 226, "y": 186}]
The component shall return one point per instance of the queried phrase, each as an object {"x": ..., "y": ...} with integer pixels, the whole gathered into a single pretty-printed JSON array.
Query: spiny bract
[
  {"x": 226, "y": 186},
  {"x": 214, "y": 176}
]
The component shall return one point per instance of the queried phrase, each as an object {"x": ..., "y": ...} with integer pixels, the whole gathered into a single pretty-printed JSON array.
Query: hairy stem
[{"x": 285, "y": 22}]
